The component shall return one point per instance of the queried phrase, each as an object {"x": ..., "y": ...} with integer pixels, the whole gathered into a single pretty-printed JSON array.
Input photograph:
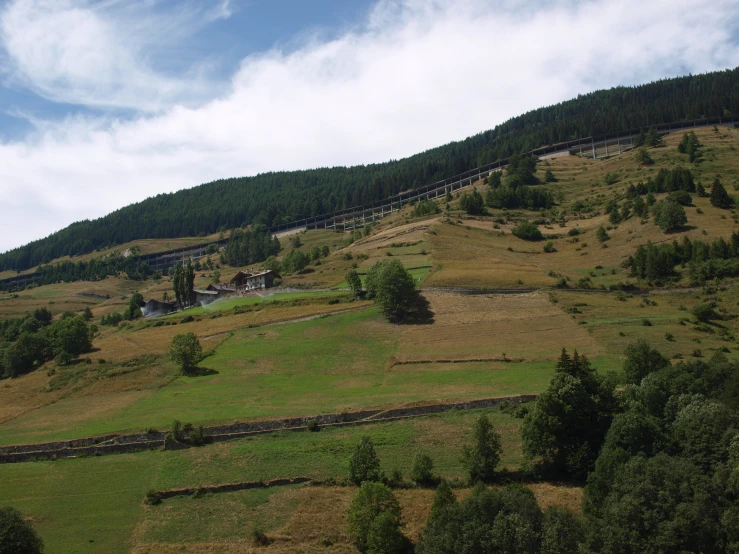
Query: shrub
[
  {"x": 704, "y": 312},
  {"x": 670, "y": 216},
  {"x": 313, "y": 425},
  {"x": 186, "y": 319},
  {"x": 602, "y": 234},
  {"x": 682, "y": 197},
  {"x": 152, "y": 498},
  {"x": 611, "y": 178},
  {"x": 527, "y": 231},
  {"x": 549, "y": 247}
]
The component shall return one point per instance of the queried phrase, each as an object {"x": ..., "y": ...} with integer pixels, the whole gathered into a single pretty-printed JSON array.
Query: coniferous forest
[{"x": 274, "y": 198}]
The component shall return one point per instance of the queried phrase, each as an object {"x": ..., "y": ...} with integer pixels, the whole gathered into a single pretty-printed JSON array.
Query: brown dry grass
[
  {"x": 318, "y": 523},
  {"x": 471, "y": 327}
]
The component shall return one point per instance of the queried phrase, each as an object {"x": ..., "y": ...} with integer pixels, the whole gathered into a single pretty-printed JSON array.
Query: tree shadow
[
  {"x": 200, "y": 372},
  {"x": 681, "y": 229},
  {"x": 420, "y": 313}
]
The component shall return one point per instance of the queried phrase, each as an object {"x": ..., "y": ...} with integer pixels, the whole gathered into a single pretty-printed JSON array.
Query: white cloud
[
  {"x": 98, "y": 54},
  {"x": 417, "y": 74}
]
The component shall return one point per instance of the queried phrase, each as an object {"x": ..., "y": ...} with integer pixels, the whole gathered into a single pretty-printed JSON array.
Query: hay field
[{"x": 523, "y": 326}]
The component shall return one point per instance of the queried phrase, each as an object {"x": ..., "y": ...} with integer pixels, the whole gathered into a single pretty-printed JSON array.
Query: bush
[
  {"x": 17, "y": 536},
  {"x": 682, "y": 197},
  {"x": 364, "y": 464},
  {"x": 611, "y": 178},
  {"x": 549, "y": 247},
  {"x": 602, "y": 234},
  {"x": 704, "y": 312},
  {"x": 527, "y": 231},
  {"x": 187, "y": 319},
  {"x": 185, "y": 351},
  {"x": 313, "y": 426},
  {"x": 669, "y": 216},
  {"x": 422, "y": 470}
]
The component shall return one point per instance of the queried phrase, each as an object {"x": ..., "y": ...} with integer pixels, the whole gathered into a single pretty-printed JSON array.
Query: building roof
[
  {"x": 209, "y": 292},
  {"x": 266, "y": 273},
  {"x": 240, "y": 274},
  {"x": 161, "y": 302}
]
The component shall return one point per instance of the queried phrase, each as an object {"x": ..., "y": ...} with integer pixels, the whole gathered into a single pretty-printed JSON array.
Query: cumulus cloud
[{"x": 413, "y": 75}]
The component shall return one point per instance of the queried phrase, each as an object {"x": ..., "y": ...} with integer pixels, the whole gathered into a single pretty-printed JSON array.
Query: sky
[{"x": 105, "y": 103}]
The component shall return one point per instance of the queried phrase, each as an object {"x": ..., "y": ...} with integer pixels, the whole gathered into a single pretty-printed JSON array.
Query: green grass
[
  {"x": 84, "y": 505},
  {"x": 94, "y": 504},
  {"x": 230, "y": 303}
]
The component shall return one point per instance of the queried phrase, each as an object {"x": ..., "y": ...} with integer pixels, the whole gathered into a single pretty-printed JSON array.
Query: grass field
[
  {"x": 343, "y": 362},
  {"x": 98, "y": 501}
]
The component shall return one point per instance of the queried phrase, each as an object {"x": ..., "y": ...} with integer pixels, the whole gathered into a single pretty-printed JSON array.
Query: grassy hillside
[{"x": 308, "y": 348}]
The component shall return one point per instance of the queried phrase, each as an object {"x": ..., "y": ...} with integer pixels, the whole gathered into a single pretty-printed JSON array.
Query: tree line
[
  {"x": 279, "y": 197},
  {"x": 28, "y": 342}
]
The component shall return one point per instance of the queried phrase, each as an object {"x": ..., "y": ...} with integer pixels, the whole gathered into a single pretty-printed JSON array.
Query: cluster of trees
[
  {"x": 719, "y": 258},
  {"x": 250, "y": 247},
  {"x": 660, "y": 457},
  {"x": 32, "y": 340},
  {"x": 512, "y": 198},
  {"x": 425, "y": 207},
  {"x": 94, "y": 270},
  {"x": 392, "y": 288},
  {"x": 690, "y": 145},
  {"x": 274, "y": 198},
  {"x": 504, "y": 520},
  {"x": 472, "y": 203},
  {"x": 651, "y": 138}
]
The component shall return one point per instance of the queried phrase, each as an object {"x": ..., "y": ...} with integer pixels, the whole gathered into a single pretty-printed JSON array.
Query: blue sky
[{"x": 107, "y": 102}]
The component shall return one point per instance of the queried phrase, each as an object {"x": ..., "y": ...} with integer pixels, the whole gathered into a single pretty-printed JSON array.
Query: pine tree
[{"x": 719, "y": 197}]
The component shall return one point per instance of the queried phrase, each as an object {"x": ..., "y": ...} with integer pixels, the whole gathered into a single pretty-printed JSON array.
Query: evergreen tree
[
  {"x": 483, "y": 456},
  {"x": 719, "y": 197}
]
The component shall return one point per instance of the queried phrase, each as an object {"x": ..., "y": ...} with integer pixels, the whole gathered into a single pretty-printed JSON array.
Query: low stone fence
[
  {"x": 117, "y": 444},
  {"x": 232, "y": 487}
]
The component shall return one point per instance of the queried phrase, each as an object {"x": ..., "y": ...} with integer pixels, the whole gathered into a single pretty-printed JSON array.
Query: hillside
[
  {"x": 500, "y": 310},
  {"x": 285, "y": 196}
]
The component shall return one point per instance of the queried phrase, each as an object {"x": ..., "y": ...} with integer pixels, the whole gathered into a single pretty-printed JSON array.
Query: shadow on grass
[
  {"x": 200, "y": 372},
  {"x": 420, "y": 314}
]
